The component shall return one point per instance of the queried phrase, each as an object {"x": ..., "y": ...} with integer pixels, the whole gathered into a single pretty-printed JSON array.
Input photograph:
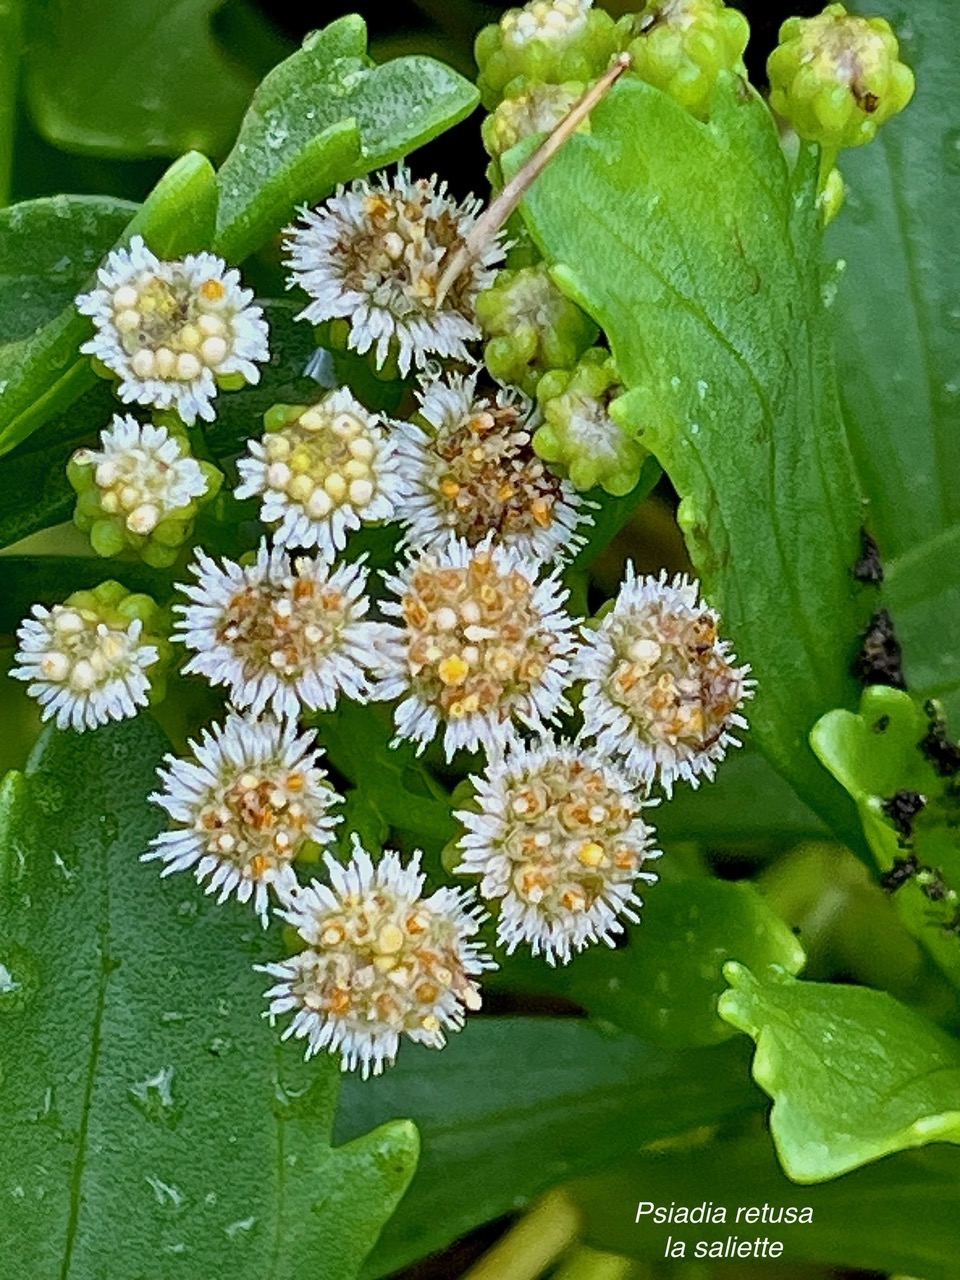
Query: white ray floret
[
  {"x": 381, "y": 961},
  {"x": 373, "y": 254},
  {"x": 243, "y": 808},
  {"x": 170, "y": 331},
  {"x": 479, "y": 647},
  {"x": 83, "y": 671},
  {"x": 142, "y": 472},
  {"x": 472, "y": 471},
  {"x": 557, "y": 835},
  {"x": 280, "y": 633},
  {"x": 662, "y": 689},
  {"x": 322, "y": 474}
]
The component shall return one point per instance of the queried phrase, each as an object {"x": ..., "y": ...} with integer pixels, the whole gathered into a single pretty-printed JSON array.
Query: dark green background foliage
[{"x": 777, "y": 1028}]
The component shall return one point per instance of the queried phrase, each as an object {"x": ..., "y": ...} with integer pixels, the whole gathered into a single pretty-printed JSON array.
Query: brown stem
[{"x": 499, "y": 210}]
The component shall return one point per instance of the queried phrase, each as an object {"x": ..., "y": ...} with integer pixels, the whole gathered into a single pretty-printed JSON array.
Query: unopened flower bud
[
  {"x": 837, "y": 77},
  {"x": 528, "y": 107},
  {"x": 531, "y": 326},
  {"x": 547, "y": 40},
  {"x": 578, "y": 434},
  {"x": 682, "y": 46}
]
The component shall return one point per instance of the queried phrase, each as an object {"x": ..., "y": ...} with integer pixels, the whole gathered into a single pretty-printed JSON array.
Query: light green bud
[{"x": 837, "y": 77}]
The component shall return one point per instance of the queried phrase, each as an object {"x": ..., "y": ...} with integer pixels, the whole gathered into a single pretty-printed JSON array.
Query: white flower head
[
  {"x": 279, "y": 633},
  {"x": 323, "y": 473},
  {"x": 553, "y": 21},
  {"x": 374, "y": 254},
  {"x": 557, "y": 835},
  {"x": 142, "y": 473},
  {"x": 171, "y": 330},
  {"x": 480, "y": 647},
  {"x": 243, "y": 808},
  {"x": 473, "y": 472},
  {"x": 83, "y": 670},
  {"x": 661, "y": 690},
  {"x": 381, "y": 961}
]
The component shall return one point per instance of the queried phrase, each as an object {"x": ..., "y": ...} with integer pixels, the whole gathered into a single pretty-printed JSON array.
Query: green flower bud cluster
[
  {"x": 551, "y": 41},
  {"x": 837, "y": 77},
  {"x": 142, "y": 490},
  {"x": 682, "y": 46},
  {"x": 532, "y": 327},
  {"x": 116, "y": 607},
  {"x": 528, "y": 107},
  {"x": 578, "y": 434}
]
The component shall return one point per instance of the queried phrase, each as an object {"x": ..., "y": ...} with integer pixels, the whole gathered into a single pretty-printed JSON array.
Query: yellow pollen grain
[
  {"x": 213, "y": 290},
  {"x": 540, "y": 510},
  {"x": 590, "y": 854},
  {"x": 453, "y": 670}
]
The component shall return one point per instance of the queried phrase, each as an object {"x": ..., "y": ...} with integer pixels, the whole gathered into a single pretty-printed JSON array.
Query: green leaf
[
  {"x": 35, "y": 492},
  {"x": 111, "y": 78},
  {"x": 853, "y": 1074},
  {"x": 874, "y": 755},
  {"x": 691, "y": 247},
  {"x": 506, "y": 1088},
  {"x": 150, "y": 1118},
  {"x": 665, "y": 983},
  {"x": 748, "y": 806},
  {"x": 49, "y": 248},
  {"x": 394, "y": 782},
  {"x": 899, "y": 236},
  {"x": 11, "y": 38},
  {"x": 42, "y": 374},
  {"x": 326, "y": 115},
  {"x": 896, "y": 1217}
]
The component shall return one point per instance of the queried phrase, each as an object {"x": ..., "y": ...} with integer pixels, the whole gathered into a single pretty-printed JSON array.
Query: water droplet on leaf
[{"x": 154, "y": 1097}]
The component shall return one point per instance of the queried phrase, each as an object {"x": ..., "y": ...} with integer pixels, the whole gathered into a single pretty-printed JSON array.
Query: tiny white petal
[
  {"x": 143, "y": 470},
  {"x": 81, "y": 670},
  {"x": 471, "y": 470},
  {"x": 323, "y": 474},
  {"x": 505, "y": 662}
]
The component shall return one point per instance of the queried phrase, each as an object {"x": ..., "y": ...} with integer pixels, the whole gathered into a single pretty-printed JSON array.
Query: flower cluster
[
  {"x": 373, "y": 255},
  {"x": 467, "y": 632},
  {"x": 92, "y": 658},
  {"x": 381, "y": 960},
  {"x": 141, "y": 489},
  {"x": 322, "y": 470},
  {"x": 172, "y": 332}
]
